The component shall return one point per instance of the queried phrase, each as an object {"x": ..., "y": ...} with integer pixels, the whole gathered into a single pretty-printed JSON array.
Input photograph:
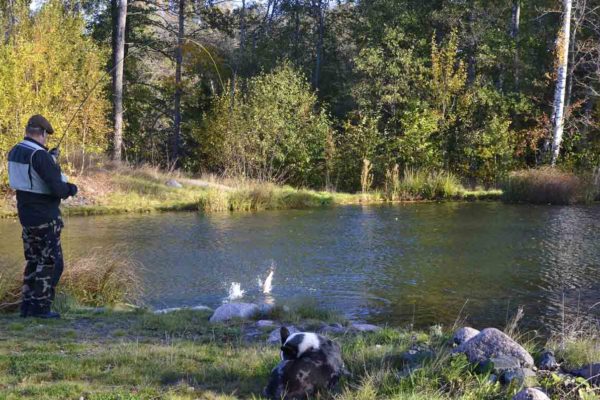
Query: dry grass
[
  {"x": 547, "y": 186},
  {"x": 99, "y": 279}
]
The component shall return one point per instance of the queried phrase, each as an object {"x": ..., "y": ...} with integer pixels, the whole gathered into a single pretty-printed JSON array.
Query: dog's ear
[
  {"x": 285, "y": 333},
  {"x": 289, "y": 352}
]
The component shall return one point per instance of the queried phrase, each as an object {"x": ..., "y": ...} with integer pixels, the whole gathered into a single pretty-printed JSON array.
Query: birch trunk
[
  {"x": 514, "y": 34},
  {"x": 118, "y": 57},
  {"x": 561, "y": 81}
]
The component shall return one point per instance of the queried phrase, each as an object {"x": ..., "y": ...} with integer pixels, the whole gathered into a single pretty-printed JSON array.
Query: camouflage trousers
[{"x": 44, "y": 267}]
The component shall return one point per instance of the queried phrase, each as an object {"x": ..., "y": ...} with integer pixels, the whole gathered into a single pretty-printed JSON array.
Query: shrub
[
  {"x": 546, "y": 186},
  {"x": 423, "y": 185}
]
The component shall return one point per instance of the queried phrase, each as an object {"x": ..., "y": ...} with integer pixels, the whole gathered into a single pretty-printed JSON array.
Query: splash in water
[
  {"x": 267, "y": 285},
  {"x": 235, "y": 291}
]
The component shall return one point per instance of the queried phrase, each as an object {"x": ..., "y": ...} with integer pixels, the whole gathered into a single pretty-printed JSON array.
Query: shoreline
[{"x": 130, "y": 353}]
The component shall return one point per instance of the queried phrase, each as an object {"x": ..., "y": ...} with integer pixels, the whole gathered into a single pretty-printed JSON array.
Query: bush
[
  {"x": 274, "y": 132},
  {"x": 547, "y": 186}
]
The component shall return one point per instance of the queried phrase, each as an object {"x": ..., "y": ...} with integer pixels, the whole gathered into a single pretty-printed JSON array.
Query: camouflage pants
[{"x": 44, "y": 267}]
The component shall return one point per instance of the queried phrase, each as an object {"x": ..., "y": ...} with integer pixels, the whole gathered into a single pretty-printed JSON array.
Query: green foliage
[
  {"x": 273, "y": 132},
  {"x": 48, "y": 66}
]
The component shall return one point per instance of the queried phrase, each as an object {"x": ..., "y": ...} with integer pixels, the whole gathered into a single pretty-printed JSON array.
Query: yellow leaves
[{"x": 449, "y": 75}]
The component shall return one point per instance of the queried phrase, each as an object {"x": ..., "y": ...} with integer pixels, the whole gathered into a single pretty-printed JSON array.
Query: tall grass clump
[
  {"x": 547, "y": 186},
  {"x": 99, "y": 279},
  {"x": 424, "y": 185},
  {"x": 103, "y": 279}
]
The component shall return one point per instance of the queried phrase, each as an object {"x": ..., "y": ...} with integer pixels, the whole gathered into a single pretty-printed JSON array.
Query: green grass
[
  {"x": 143, "y": 190},
  {"x": 138, "y": 355}
]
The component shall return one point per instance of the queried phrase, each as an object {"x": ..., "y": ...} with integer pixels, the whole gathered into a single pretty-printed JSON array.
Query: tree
[
  {"x": 119, "y": 22},
  {"x": 562, "y": 49}
]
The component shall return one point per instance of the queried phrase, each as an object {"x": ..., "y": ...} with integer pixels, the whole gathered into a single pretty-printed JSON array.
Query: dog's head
[{"x": 294, "y": 345}]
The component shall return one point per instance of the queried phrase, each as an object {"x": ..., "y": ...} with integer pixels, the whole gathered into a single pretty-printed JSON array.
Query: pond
[{"x": 404, "y": 264}]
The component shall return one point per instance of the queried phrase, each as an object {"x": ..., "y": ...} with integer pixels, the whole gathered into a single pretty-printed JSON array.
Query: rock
[
  {"x": 365, "y": 327},
  {"x": 173, "y": 309},
  {"x": 416, "y": 356},
  {"x": 548, "y": 361},
  {"x": 333, "y": 328},
  {"x": 491, "y": 343},
  {"x": 531, "y": 394},
  {"x": 231, "y": 311},
  {"x": 590, "y": 372},
  {"x": 173, "y": 183},
  {"x": 519, "y": 377},
  {"x": 275, "y": 336},
  {"x": 265, "y": 323},
  {"x": 464, "y": 335},
  {"x": 266, "y": 309},
  {"x": 499, "y": 365}
]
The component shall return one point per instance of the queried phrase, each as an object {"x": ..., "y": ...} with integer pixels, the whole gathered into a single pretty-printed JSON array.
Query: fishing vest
[{"x": 21, "y": 174}]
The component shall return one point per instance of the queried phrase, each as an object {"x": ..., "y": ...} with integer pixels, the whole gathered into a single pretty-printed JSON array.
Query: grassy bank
[
  {"x": 124, "y": 189},
  {"x": 134, "y": 355},
  {"x": 550, "y": 186}
]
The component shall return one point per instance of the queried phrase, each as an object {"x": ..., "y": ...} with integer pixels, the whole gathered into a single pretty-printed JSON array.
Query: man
[{"x": 37, "y": 178}]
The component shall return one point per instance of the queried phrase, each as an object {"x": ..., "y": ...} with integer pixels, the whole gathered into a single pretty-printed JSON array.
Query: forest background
[{"x": 311, "y": 93}]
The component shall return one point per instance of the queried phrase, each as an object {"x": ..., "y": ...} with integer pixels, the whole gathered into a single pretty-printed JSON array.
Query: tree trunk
[
  {"x": 561, "y": 80},
  {"x": 514, "y": 34},
  {"x": 178, "y": 89},
  {"x": 118, "y": 57}
]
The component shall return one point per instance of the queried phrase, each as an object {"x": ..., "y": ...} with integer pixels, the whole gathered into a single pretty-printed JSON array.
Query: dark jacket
[{"x": 35, "y": 208}]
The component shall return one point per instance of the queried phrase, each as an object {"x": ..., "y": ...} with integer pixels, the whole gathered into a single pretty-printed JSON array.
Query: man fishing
[{"x": 35, "y": 175}]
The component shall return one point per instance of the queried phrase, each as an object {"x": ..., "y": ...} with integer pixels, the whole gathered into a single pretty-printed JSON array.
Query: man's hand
[
  {"x": 72, "y": 189},
  {"x": 55, "y": 153}
]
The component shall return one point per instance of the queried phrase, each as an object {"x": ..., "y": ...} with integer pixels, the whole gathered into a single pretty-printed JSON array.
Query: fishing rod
[{"x": 90, "y": 93}]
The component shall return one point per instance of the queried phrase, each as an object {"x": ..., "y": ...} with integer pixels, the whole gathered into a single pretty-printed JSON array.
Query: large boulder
[
  {"x": 492, "y": 343},
  {"x": 231, "y": 311},
  {"x": 590, "y": 372},
  {"x": 463, "y": 335},
  {"x": 531, "y": 394}
]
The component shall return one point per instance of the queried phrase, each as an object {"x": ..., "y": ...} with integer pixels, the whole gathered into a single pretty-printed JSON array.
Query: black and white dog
[{"x": 309, "y": 363}]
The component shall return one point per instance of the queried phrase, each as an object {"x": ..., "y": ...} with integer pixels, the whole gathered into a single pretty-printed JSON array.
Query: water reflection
[{"x": 416, "y": 263}]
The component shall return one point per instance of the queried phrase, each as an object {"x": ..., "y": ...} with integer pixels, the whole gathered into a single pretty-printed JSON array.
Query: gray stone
[
  {"x": 265, "y": 309},
  {"x": 333, "y": 328},
  {"x": 365, "y": 327},
  {"x": 491, "y": 343},
  {"x": 590, "y": 372},
  {"x": 174, "y": 309},
  {"x": 173, "y": 183},
  {"x": 231, "y": 311},
  {"x": 499, "y": 365},
  {"x": 531, "y": 394},
  {"x": 416, "y": 356},
  {"x": 519, "y": 377},
  {"x": 464, "y": 335},
  {"x": 548, "y": 361},
  {"x": 265, "y": 323},
  {"x": 275, "y": 336}
]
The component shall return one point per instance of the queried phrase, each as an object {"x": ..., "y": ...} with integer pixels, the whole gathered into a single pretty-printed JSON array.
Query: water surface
[{"x": 418, "y": 263}]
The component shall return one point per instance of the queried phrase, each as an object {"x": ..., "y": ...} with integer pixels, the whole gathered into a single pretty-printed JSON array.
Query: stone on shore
[
  {"x": 173, "y": 183},
  {"x": 531, "y": 394},
  {"x": 590, "y": 372},
  {"x": 548, "y": 361},
  {"x": 174, "y": 309},
  {"x": 275, "y": 336},
  {"x": 365, "y": 328},
  {"x": 265, "y": 323},
  {"x": 464, "y": 335},
  {"x": 490, "y": 343},
  {"x": 230, "y": 311}
]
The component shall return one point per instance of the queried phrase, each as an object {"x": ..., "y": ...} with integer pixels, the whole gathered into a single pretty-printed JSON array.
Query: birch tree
[{"x": 561, "y": 81}]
